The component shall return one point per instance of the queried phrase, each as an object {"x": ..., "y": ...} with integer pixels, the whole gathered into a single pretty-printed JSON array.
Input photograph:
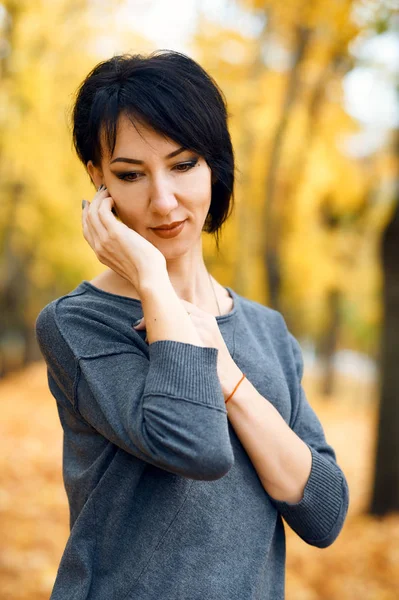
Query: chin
[
  {"x": 173, "y": 253},
  {"x": 173, "y": 249}
]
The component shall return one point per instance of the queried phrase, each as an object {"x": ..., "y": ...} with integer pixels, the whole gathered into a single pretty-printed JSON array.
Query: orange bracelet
[{"x": 243, "y": 375}]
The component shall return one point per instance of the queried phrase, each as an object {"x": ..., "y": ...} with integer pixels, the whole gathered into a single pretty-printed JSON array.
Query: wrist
[
  {"x": 230, "y": 380},
  {"x": 154, "y": 283}
]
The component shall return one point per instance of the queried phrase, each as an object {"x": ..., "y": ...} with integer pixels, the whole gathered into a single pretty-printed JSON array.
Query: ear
[{"x": 96, "y": 174}]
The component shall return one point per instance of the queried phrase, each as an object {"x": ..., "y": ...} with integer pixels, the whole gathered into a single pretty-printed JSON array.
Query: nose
[{"x": 162, "y": 196}]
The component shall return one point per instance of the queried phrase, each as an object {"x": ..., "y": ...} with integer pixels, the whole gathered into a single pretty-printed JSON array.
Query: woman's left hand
[{"x": 209, "y": 332}]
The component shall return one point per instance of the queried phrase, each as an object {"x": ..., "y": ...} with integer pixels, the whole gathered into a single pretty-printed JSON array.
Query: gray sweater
[{"x": 165, "y": 503}]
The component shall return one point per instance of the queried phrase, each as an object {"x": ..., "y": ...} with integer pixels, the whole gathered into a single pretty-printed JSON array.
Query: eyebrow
[{"x": 135, "y": 161}]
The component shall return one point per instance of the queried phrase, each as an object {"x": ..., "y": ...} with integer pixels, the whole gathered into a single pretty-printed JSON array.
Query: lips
[
  {"x": 171, "y": 232},
  {"x": 167, "y": 227}
]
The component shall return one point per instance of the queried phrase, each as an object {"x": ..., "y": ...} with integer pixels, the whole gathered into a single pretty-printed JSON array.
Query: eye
[
  {"x": 132, "y": 176},
  {"x": 186, "y": 166}
]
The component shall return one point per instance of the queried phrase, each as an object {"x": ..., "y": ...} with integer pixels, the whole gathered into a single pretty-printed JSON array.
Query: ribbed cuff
[
  {"x": 314, "y": 517},
  {"x": 184, "y": 371}
]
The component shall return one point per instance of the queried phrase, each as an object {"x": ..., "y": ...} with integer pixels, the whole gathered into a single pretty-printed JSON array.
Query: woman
[{"x": 188, "y": 437}]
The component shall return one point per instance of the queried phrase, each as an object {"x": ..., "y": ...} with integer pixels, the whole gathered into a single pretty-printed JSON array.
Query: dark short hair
[{"x": 172, "y": 94}]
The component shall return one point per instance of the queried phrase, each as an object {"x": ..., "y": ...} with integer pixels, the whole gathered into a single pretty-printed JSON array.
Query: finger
[
  {"x": 98, "y": 232},
  {"x": 140, "y": 325},
  {"x": 87, "y": 234},
  {"x": 105, "y": 213}
]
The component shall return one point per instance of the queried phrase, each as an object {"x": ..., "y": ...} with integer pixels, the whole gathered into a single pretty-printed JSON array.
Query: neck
[
  {"x": 191, "y": 280},
  {"x": 200, "y": 289}
]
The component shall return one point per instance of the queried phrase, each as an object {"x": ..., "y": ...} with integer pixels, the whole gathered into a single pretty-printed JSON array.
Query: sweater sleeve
[
  {"x": 166, "y": 409},
  {"x": 319, "y": 516}
]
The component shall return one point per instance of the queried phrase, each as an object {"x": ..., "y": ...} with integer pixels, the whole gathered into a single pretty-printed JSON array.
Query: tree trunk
[
  {"x": 272, "y": 222},
  {"x": 328, "y": 343},
  {"x": 386, "y": 479}
]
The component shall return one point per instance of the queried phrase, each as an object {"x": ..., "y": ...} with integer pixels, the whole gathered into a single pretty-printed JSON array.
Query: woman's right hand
[{"x": 117, "y": 246}]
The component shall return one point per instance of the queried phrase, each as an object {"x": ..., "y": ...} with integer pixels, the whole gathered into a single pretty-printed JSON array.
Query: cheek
[
  {"x": 197, "y": 189},
  {"x": 126, "y": 210}
]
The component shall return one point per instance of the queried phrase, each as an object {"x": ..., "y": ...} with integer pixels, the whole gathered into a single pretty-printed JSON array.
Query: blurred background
[{"x": 312, "y": 90}]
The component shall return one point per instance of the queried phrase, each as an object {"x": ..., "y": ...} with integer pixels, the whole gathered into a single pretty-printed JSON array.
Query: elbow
[
  {"x": 336, "y": 529},
  {"x": 209, "y": 457},
  {"x": 326, "y": 541},
  {"x": 199, "y": 466},
  {"x": 191, "y": 456},
  {"x": 313, "y": 518},
  {"x": 205, "y": 463},
  {"x": 210, "y": 466},
  {"x": 339, "y": 523},
  {"x": 196, "y": 446}
]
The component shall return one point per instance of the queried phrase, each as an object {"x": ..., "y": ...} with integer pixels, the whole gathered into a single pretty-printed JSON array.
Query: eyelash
[{"x": 190, "y": 164}]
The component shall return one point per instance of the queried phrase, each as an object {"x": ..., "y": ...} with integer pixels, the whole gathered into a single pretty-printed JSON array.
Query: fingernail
[
  {"x": 83, "y": 203},
  {"x": 136, "y": 323},
  {"x": 100, "y": 188}
]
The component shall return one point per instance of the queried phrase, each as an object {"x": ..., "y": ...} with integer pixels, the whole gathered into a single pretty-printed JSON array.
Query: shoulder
[
  {"x": 256, "y": 312},
  {"x": 47, "y": 326},
  {"x": 89, "y": 324},
  {"x": 274, "y": 325}
]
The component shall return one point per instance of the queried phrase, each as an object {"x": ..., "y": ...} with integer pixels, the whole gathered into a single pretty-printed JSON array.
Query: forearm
[
  {"x": 281, "y": 459},
  {"x": 165, "y": 316}
]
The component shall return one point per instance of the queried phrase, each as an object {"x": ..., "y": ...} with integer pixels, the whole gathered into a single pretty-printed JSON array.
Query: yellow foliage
[
  {"x": 326, "y": 207},
  {"x": 288, "y": 128}
]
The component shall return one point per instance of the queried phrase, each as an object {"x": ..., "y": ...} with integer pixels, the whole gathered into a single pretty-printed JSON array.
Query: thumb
[{"x": 139, "y": 324}]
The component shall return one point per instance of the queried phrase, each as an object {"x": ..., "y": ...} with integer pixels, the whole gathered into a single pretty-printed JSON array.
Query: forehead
[{"x": 138, "y": 141}]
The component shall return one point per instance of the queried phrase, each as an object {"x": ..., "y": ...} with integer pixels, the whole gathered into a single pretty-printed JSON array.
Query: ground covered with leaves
[{"x": 363, "y": 563}]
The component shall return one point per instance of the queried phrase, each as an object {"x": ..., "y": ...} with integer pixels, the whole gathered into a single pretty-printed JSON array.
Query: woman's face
[{"x": 154, "y": 182}]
